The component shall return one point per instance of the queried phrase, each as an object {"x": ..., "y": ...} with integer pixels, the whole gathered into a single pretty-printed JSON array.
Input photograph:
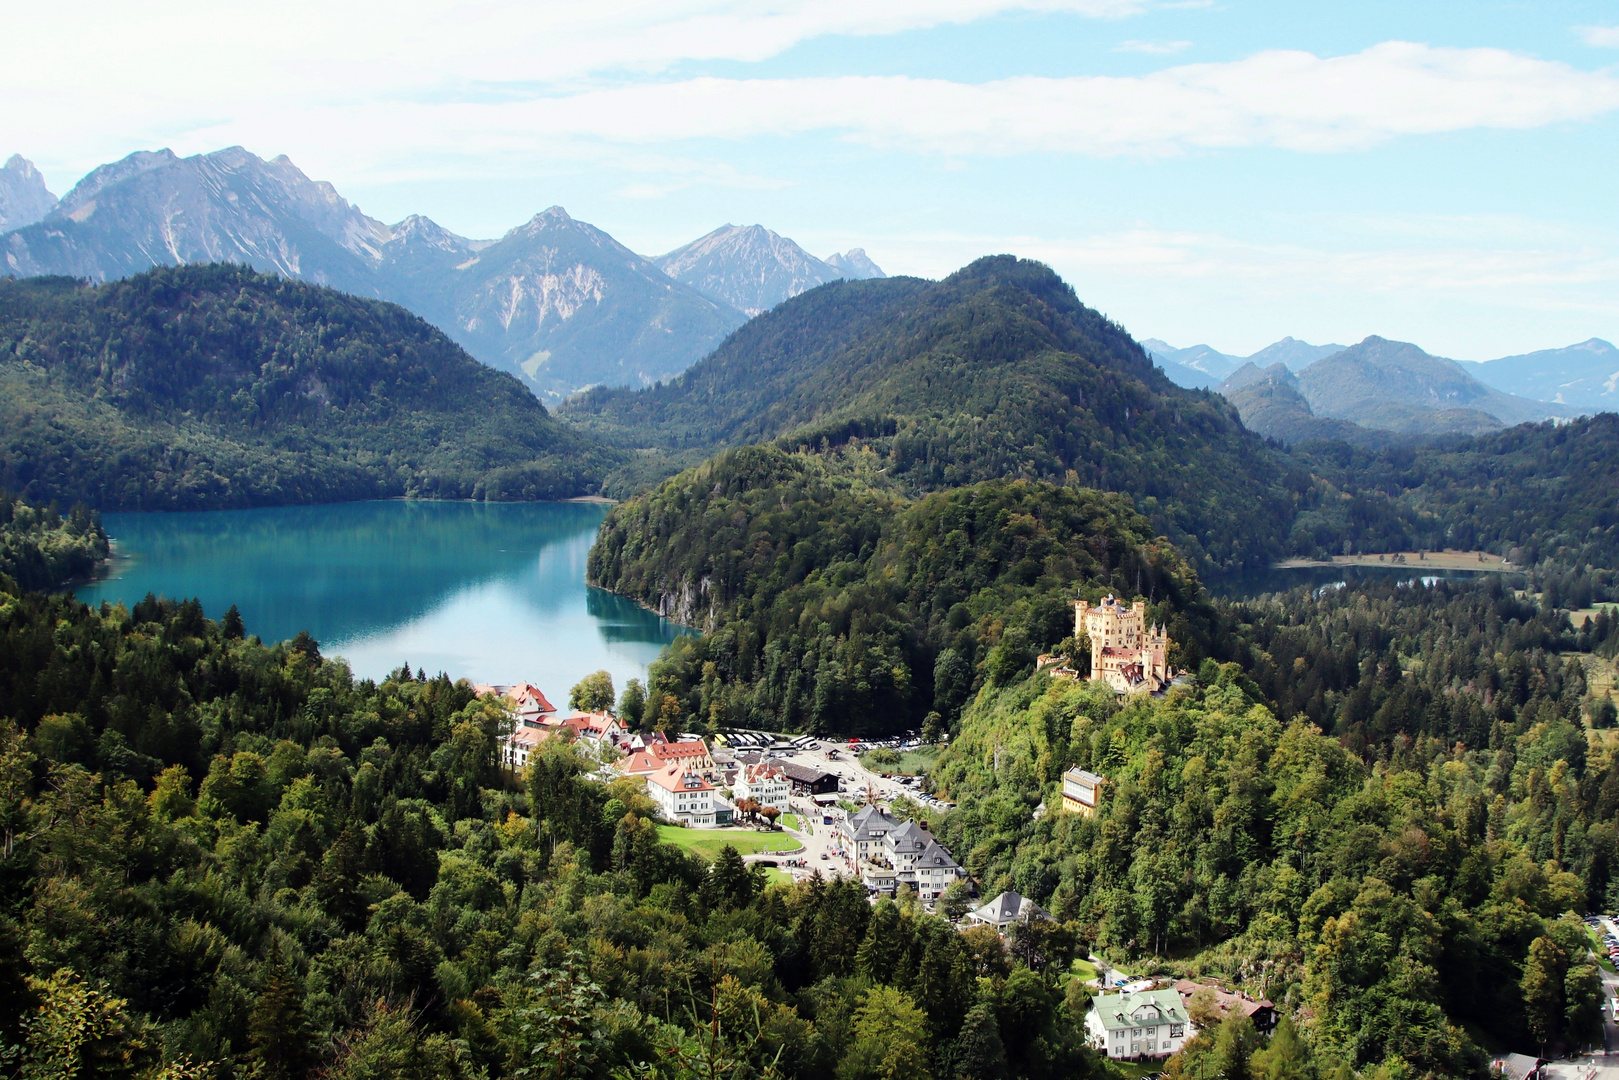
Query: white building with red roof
[
  {"x": 524, "y": 742},
  {"x": 689, "y": 755},
  {"x": 764, "y": 783},
  {"x": 683, "y": 797}
]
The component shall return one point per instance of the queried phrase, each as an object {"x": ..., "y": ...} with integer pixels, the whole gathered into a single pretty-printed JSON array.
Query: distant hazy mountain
[
  {"x": 1584, "y": 376},
  {"x": 1200, "y": 365},
  {"x": 556, "y": 301},
  {"x": 24, "y": 198},
  {"x": 1209, "y": 361},
  {"x": 1296, "y": 355},
  {"x": 1395, "y": 386},
  {"x": 1269, "y": 402},
  {"x": 746, "y": 267},
  {"x": 855, "y": 265}
]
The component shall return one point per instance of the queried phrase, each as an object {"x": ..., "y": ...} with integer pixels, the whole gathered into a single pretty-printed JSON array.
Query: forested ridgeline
[
  {"x": 1398, "y": 881},
  {"x": 220, "y": 858},
  {"x": 1544, "y": 495},
  {"x": 213, "y": 386},
  {"x": 40, "y": 549},
  {"x": 996, "y": 372},
  {"x": 832, "y": 603}
]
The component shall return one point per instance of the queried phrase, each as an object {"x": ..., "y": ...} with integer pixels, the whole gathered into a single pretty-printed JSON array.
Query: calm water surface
[{"x": 494, "y": 592}]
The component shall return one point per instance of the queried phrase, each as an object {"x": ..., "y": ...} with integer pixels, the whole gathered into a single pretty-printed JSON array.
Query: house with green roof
[{"x": 1145, "y": 1024}]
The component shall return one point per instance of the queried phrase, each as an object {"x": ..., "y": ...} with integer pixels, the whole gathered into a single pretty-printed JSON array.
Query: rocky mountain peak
[{"x": 24, "y": 198}]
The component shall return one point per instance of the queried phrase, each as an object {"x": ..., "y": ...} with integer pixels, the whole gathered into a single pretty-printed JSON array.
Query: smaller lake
[
  {"x": 492, "y": 592},
  {"x": 1282, "y": 579}
]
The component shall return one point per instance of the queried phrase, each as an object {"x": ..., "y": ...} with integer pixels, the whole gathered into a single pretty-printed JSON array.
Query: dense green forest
[
  {"x": 220, "y": 858},
  {"x": 996, "y": 372},
  {"x": 1542, "y": 494},
  {"x": 40, "y": 549},
  {"x": 832, "y": 603},
  {"x": 1381, "y": 816},
  {"x": 214, "y": 386}
]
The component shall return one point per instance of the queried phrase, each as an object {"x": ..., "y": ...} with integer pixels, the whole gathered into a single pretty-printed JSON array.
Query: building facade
[
  {"x": 1126, "y": 653},
  {"x": 1080, "y": 791},
  {"x": 765, "y": 784},
  {"x": 683, "y": 798},
  {"x": 1146, "y": 1024}
]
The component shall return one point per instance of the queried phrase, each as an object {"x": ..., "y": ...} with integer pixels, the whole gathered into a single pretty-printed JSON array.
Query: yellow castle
[{"x": 1126, "y": 654}]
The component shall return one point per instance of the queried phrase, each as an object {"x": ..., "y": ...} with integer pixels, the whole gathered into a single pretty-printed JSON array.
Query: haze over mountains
[{"x": 555, "y": 301}]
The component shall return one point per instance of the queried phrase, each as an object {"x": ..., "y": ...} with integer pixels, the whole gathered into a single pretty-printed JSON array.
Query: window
[{"x": 1177, "y": 1030}]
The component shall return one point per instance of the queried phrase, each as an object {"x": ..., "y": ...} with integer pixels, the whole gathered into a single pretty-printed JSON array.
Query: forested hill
[
  {"x": 835, "y": 604},
  {"x": 40, "y": 549},
  {"x": 214, "y": 386},
  {"x": 997, "y": 371}
]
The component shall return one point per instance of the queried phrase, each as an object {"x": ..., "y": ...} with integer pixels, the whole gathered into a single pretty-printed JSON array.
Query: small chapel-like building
[{"x": 1126, "y": 653}]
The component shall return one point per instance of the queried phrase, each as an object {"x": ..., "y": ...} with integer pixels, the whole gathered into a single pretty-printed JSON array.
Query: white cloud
[
  {"x": 1153, "y": 48},
  {"x": 1286, "y": 99},
  {"x": 1603, "y": 37}
]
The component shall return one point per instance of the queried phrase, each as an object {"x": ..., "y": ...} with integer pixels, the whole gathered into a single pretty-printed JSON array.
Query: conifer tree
[{"x": 277, "y": 1028}]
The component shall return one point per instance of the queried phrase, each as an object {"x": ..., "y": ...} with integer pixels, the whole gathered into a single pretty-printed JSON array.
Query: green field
[
  {"x": 1085, "y": 970},
  {"x": 707, "y": 842},
  {"x": 792, "y": 822},
  {"x": 909, "y": 763}
]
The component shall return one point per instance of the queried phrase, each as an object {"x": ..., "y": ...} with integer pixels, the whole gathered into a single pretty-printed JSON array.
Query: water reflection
[{"x": 493, "y": 592}]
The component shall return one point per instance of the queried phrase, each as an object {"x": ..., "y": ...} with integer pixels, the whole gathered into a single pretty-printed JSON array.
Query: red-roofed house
[
  {"x": 682, "y": 797},
  {"x": 765, "y": 784},
  {"x": 524, "y": 740},
  {"x": 639, "y": 763},
  {"x": 690, "y": 755},
  {"x": 528, "y": 703},
  {"x": 596, "y": 726}
]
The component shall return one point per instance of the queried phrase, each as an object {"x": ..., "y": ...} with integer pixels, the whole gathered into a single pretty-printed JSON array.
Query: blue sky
[{"x": 1226, "y": 172}]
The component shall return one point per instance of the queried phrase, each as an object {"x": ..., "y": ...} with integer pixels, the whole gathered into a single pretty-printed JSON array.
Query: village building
[
  {"x": 523, "y": 743},
  {"x": 1006, "y": 909},
  {"x": 766, "y": 784},
  {"x": 682, "y": 797},
  {"x": 639, "y": 763},
  {"x": 691, "y": 755},
  {"x": 1126, "y": 653},
  {"x": 890, "y": 853},
  {"x": 866, "y": 831},
  {"x": 1147, "y": 1024},
  {"x": 1081, "y": 791},
  {"x": 1262, "y": 1013},
  {"x": 808, "y": 781},
  {"x": 596, "y": 727}
]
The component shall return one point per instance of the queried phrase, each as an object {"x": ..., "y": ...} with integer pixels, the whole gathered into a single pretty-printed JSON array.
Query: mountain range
[
  {"x": 1380, "y": 385},
  {"x": 556, "y": 301},
  {"x": 1581, "y": 378}
]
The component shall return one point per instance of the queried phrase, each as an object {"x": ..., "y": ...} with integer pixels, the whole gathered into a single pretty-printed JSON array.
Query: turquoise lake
[{"x": 493, "y": 592}]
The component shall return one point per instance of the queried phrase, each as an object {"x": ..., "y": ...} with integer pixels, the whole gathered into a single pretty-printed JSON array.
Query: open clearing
[
  {"x": 1431, "y": 560},
  {"x": 707, "y": 842}
]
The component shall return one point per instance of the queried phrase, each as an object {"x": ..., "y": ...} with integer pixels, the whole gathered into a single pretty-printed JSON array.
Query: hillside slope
[
  {"x": 997, "y": 371},
  {"x": 214, "y": 386},
  {"x": 831, "y": 602},
  {"x": 1270, "y": 404}
]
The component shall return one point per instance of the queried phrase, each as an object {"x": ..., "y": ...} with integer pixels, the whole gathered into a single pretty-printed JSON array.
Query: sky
[{"x": 1203, "y": 171}]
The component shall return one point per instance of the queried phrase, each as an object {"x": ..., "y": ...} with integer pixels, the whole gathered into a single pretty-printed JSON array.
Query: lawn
[
  {"x": 707, "y": 842},
  {"x": 909, "y": 763},
  {"x": 1085, "y": 970},
  {"x": 792, "y": 822},
  {"x": 1600, "y": 949}
]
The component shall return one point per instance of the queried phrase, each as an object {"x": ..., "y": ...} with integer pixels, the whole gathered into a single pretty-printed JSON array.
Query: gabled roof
[
  {"x": 1009, "y": 907},
  {"x": 803, "y": 774},
  {"x": 909, "y": 837},
  {"x": 674, "y": 778},
  {"x": 678, "y": 751},
  {"x": 524, "y": 735},
  {"x": 639, "y": 764},
  {"x": 937, "y": 857},
  {"x": 524, "y": 690},
  {"x": 871, "y": 823},
  {"x": 1135, "y": 1010}
]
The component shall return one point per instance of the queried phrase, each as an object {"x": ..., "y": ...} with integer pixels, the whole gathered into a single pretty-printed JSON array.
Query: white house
[
  {"x": 523, "y": 743},
  {"x": 891, "y": 854},
  {"x": 684, "y": 798},
  {"x": 1147, "y": 1024},
  {"x": 765, "y": 784},
  {"x": 1008, "y": 908}
]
